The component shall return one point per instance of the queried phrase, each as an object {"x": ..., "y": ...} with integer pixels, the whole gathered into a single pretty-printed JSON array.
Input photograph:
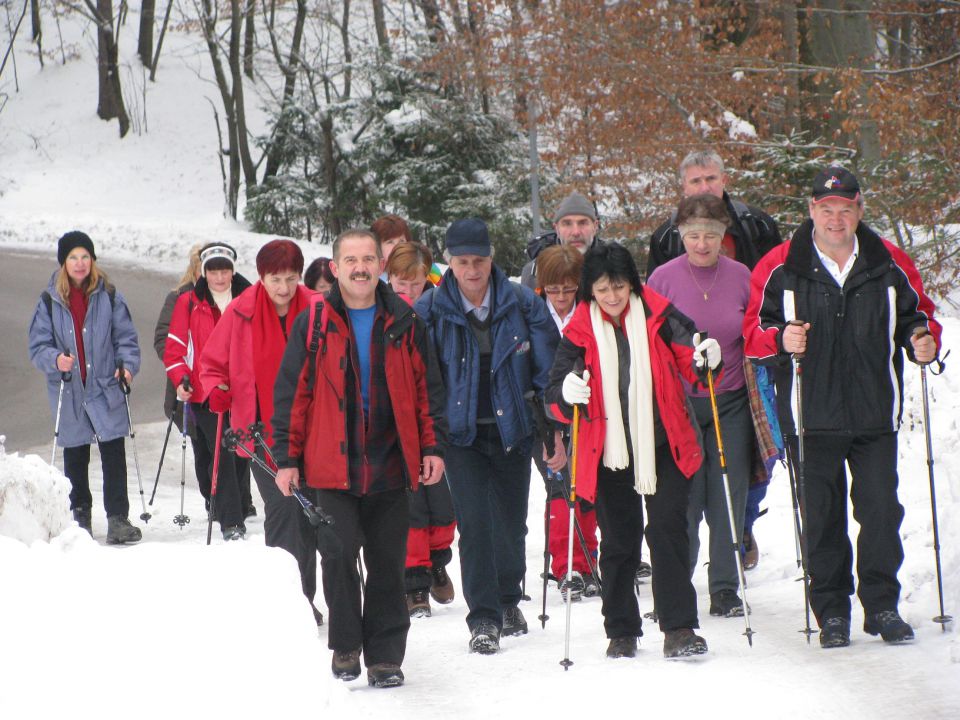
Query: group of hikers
[{"x": 406, "y": 405}]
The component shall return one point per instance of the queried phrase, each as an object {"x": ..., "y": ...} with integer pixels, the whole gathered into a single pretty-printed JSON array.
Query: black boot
[
  {"x": 889, "y": 625},
  {"x": 120, "y": 531},
  {"x": 683, "y": 643},
  {"x": 81, "y": 515}
]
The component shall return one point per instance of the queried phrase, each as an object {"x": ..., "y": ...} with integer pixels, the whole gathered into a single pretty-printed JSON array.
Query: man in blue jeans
[{"x": 495, "y": 343}]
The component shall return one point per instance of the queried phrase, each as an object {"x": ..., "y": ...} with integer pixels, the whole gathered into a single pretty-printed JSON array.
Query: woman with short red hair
[{"x": 240, "y": 363}]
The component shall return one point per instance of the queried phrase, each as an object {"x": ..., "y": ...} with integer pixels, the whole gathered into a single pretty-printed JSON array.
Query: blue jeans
[{"x": 490, "y": 489}]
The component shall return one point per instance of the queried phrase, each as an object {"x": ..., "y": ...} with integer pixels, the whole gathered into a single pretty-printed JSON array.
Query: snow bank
[{"x": 34, "y": 498}]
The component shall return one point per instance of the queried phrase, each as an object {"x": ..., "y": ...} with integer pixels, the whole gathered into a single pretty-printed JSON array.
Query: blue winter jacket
[
  {"x": 524, "y": 339},
  {"x": 95, "y": 411}
]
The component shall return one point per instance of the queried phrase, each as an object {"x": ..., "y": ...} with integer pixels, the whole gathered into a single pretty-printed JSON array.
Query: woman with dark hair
[
  {"x": 713, "y": 291},
  {"x": 82, "y": 326},
  {"x": 636, "y": 436},
  {"x": 318, "y": 276},
  {"x": 195, "y": 316},
  {"x": 240, "y": 364}
]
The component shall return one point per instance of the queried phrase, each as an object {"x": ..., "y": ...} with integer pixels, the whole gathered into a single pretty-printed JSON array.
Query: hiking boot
[
  {"x": 418, "y": 603},
  {"x": 835, "y": 632},
  {"x": 622, "y": 647},
  {"x": 513, "y": 622},
  {"x": 591, "y": 588},
  {"x": 571, "y": 587},
  {"x": 751, "y": 553},
  {"x": 81, "y": 516},
  {"x": 346, "y": 665},
  {"x": 726, "y": 603},
  {"x": 234, "y": 532},
  {"x": 889, "y": 625},
  {"x": 485, "y": 638},
  {"x": 683, "y": 643},
  {"x": 441, "y": 586},
  {"x": 120, "y": 531},
  {"x": 384, "y": 675},
  {"x": 644, "y": 570}
]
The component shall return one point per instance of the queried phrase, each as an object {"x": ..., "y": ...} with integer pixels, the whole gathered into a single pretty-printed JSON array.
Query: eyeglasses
[{"x": 560, "y": 291}]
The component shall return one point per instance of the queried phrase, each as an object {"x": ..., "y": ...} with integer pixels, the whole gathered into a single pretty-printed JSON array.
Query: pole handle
[
  {"x": 122, "y": 378},
  {"x": 797, "y": 356}
]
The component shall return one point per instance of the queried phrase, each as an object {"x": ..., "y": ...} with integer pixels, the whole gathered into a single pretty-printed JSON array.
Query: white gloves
[
  {"x": 575, "y": 390},
  {"x": 706, "y": 352}
]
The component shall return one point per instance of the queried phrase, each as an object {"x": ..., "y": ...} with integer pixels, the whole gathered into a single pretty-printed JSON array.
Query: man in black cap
[
  {"x": 575, "y": 223},
  {"x": 849, "y": 303},
  {"x": 495, "y": 342}
]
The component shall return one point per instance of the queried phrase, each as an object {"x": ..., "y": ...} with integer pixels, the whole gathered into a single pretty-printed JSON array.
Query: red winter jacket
[
  {"x": 309, "y": 420},
  {"x": 229, "y": 356},
  {"x": 670, "y": 336},
  {"x": 194, "y": 317}
]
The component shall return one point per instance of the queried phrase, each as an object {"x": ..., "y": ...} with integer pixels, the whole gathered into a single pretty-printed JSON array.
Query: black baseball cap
[
  {"x": 468, "y": 237},
  {"x": 835, "y": 182}
]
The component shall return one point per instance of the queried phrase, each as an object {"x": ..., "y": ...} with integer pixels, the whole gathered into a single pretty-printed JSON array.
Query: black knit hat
[{"x": 71, "y": 240}]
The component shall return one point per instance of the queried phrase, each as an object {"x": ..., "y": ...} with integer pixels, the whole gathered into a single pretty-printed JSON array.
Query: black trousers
[
  {"x": 620, "y": 518},
  {"x": 285, "y": 526},
  {"x": 227, "y": 502},
  {"x": 113, "y": 462},
  {"x": 377, "y": 622},
  {"x": 873, "y": 491}
]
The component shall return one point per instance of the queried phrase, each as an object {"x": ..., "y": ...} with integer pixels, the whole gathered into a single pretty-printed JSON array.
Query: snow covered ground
[{"x": 173, "y": 628}]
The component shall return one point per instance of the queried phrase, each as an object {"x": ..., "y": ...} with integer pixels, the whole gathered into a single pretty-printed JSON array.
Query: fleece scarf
[{"x": 616, "y": 455}]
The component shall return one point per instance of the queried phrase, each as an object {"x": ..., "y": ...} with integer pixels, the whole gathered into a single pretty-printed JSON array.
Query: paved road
[{"x": 25, "y": 415}]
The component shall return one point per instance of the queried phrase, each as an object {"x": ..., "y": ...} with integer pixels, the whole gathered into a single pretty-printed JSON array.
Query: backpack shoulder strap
[
  {"x": 48, "y": 302},
  {"x": 747, "y": 220}
]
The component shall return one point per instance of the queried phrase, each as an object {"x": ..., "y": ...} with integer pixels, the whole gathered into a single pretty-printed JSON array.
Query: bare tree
[
  {"x": 37, "y": 34},
  {"x": 289, "y": 69},
  {"x": 110, "y": 98},
  {"x": 145, "y": 40}
]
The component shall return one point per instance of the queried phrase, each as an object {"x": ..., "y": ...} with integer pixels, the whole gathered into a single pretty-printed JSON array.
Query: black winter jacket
[{"x": 853, "y": 367}]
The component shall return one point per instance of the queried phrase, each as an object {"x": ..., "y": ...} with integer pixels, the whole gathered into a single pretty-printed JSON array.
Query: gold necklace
[{"x": 716, "y": 274}]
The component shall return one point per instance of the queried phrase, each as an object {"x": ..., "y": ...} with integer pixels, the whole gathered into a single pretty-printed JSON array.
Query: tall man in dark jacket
[
  {"x": 495, "y": 342},
  {"x": 849, "y": 303},
  {"x": 751, "y": 235},
  {"x": 358, "y": 414}
]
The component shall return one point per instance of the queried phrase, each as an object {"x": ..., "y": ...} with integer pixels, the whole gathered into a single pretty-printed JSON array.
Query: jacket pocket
[{"x": 112, "y": 394}]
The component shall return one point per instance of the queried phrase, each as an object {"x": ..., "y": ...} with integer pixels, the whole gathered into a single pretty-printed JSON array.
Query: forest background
[{"x": 333, "y": 112}]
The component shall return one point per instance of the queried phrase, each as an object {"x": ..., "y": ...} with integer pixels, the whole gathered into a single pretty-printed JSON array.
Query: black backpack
[{"x": 48, "y": 300}]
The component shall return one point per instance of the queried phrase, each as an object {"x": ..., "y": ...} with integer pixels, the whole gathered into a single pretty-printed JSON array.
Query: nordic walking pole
[
  {"x": 125, "y": 389},
  {"x": 726, "y": 491},
  {"x": 65, "y": 377},
  {"x": 182, "y": 519},
  {"x": 942, "y": 618},
  {"x": 213, "y": 479},
  {"x": 567, "y": 662},
  {"x": 801, "y": 488},
  {"x": 543, "y": 430},
  {"x": 163, "y": 452},
  {"x": 794, "y": 500}
]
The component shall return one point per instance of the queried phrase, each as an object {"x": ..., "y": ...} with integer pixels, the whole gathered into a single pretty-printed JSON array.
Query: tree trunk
[
  {"x": 845, "y": 39},
  {"x": 380, "y": 24},
  {"x": 229, "y": 109},
  {"x": 240, "y": 114},
  {"x": 145, "y": 41},
  {"x": 37, "y": 35},
  {"x": 330, "y": 173},
  {"x": 289, "y": 71},
  {"x": 791, "y": 56},
  {"x": 248, "y": 38},
  {"x": 110, "y": 102},
  {"x": 347, "y": 55}
]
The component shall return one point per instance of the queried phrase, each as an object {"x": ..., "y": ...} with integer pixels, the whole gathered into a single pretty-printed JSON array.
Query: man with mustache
[{"x": 358, "y": 421}]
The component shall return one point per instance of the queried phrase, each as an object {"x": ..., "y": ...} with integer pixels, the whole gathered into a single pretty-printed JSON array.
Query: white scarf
[{"x": 640, "y": 393}]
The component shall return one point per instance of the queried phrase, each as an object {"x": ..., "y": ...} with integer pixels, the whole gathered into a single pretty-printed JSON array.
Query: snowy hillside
[{"x": 171, "y": 628}]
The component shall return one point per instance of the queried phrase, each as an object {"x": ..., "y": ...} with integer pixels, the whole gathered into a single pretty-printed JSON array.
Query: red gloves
[{"x": 219, "y": 400}]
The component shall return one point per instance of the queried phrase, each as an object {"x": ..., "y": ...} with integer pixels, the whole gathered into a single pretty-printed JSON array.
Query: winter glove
[
  {"x": 219, "y": 400},
  {"x": 706, "y": 353},
  {"x": 575, "y": 390}
]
